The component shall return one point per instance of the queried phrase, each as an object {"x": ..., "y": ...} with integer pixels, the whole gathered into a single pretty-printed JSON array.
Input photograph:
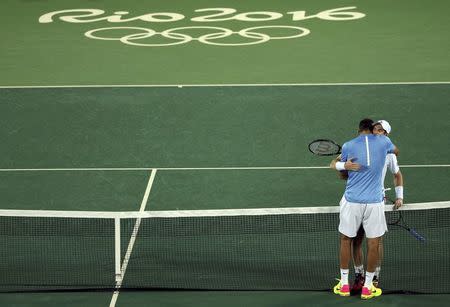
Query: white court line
[
  {"x": 132, "y": 239},
  {"x": 224, "y": 84},
  {"x": 191, "y": 168}
]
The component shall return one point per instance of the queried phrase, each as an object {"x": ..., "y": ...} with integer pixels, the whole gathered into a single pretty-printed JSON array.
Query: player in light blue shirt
[
  {"x": 381, "y": 127},
  {"x": 362, "y": 203}
]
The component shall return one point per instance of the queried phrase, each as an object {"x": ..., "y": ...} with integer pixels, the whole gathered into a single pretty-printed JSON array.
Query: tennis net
[{"x": 244, "y": 249}]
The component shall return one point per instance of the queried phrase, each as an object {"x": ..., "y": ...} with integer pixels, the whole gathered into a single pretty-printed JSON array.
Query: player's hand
[
  {"x": 334, "y": 161},
  {"x": 352, "y": 166},
  {"x": 398, "y": 203}
]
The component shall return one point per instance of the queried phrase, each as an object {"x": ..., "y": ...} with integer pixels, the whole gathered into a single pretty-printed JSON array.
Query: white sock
[
  {"x": 369, "y": 278},
  {"x": 344, "y": 276},
  {"x": 377, "y": 271},
  {"x": 359, "y": 269}
]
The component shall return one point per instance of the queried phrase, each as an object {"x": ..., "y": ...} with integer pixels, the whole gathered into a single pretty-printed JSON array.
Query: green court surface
[
  {"x": 262, "y": 126},
  {"x": 94, "y": 190},
  {"x": 249, "y": 129},
  {"x": 85, "y": 122}
]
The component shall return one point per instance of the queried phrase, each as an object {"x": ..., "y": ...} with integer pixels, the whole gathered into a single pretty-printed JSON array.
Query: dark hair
[{"x": 365, "y": 124}]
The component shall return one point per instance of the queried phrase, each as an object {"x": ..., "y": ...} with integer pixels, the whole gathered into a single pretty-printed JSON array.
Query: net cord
[{"x": 202, "y": 213}]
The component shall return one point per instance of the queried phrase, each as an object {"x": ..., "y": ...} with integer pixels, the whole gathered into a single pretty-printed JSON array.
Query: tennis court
[{"x": 99, "y": 115}]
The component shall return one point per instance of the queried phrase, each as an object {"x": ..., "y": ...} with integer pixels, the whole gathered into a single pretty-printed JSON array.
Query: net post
[{"x": 117, "y": 248}]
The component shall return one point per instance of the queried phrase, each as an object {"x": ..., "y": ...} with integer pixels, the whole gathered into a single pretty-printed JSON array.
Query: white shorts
[{"x": 370, "y": 216}]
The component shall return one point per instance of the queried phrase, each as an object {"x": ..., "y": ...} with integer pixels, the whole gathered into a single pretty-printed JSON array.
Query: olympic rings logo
[{"x": 255, "y": 34}]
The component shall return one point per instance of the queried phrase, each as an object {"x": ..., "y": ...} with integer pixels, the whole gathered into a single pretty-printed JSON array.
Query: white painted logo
[{"x": 179, "y": 35}]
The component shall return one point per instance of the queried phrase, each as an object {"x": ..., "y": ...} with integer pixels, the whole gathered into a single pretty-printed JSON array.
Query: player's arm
[
  {"x": 333, "y": 162},
  {"x": 396, "y": 150},
  {"x": 342, "y": 174},
  {"x": 391, "y": 147},
  {"x": 348, "y": 165},
  {"x": 345, "y": 162},
  {"x": 398, "y": 180}
]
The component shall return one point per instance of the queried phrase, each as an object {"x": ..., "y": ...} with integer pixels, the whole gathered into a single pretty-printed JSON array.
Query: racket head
[
  {"x": 324, "y": 147},
  {"x": 394, "y": 216}
]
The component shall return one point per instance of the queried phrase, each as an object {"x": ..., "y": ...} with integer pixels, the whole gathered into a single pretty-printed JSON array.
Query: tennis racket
[
  {"x": 395, "y": 218},
  {"x": 324, "y": 147}
]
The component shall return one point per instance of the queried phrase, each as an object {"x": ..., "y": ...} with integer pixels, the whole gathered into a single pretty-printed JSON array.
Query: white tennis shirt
[{"x": 391, "y": 164}]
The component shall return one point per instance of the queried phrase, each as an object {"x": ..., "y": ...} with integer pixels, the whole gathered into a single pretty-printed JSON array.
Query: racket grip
[{"x": 417, "y": 235}]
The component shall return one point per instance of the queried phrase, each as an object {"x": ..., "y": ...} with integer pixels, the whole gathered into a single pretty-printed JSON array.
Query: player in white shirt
[{"x": 382, "y": 127}]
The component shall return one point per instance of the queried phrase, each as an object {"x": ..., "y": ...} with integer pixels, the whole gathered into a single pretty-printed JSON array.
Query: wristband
[
  {"x": 340, "y": 166},
  {"x": 399, "y": 192}
]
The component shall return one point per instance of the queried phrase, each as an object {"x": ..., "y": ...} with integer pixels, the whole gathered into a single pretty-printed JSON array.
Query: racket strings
[{"x": 324, "y": 147}]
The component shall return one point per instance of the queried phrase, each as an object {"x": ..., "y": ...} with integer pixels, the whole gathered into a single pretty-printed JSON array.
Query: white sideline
[{"x": 132, "y": 240}]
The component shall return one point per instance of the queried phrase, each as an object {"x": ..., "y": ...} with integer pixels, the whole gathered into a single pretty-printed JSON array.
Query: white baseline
[{"x": 227, "y": 84}]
